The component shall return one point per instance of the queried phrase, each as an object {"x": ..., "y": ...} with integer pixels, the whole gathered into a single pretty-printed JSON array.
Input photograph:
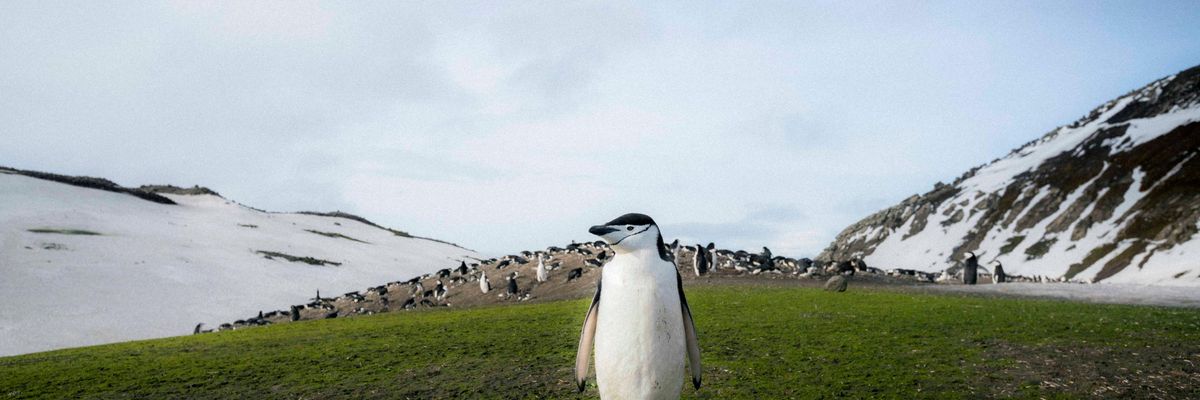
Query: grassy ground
[{"x": 769, "y": 342}]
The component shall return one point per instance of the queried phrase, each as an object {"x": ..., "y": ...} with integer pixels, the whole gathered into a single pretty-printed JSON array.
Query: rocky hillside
[
  {"x": 85, "y": 261},
  {"x": 1112, "y": 197}
]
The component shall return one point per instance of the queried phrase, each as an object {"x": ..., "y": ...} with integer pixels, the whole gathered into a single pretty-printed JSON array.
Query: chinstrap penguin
[
  {"x": 639, "y": 321},
  {"x": 700, "y": 261},
  {"x": 542, "y": 274},
  {"x": 970, "y": 269}
]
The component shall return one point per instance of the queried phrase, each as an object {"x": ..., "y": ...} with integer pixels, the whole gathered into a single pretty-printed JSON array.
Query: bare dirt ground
[
  {"x": 1174, "y": 296},
  {"x": 1102, "y": 372}
]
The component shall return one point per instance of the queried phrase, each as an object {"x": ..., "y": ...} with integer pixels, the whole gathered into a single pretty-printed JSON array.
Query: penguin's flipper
[
  {"x": 586, "y": 338},
  {"x": 689, "y": 332}
]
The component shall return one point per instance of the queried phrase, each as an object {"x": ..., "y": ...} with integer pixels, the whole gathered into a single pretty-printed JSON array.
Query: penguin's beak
[{"x": 601, "y": 230}]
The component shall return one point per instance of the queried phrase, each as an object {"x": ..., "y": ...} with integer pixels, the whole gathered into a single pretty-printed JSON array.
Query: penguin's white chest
[{"x": 640, "y": 344}]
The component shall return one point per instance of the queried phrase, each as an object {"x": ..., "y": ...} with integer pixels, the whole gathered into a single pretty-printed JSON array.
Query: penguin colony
[{"x": 571, "y": 270}]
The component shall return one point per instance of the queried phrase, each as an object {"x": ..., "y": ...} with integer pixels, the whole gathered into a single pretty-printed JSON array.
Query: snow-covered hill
[
  {"x": 1113, "y": 197},
  {"x": 81, "y": 266}
]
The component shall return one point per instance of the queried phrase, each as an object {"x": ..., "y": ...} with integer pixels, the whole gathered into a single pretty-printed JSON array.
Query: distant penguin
[
  {"x": 700, "y": 261},
  {"x": 998, "y": 275},
  {"x": 640, "y": 325},
  {"x": 970, "y": 269},
  {"x": 542, "y": 274},
  {"x": 845, "y": 267},
  {"x": 574, "y": 274},
  {"x": 768, "y": 262},
  {"x": 711, "y": 255},
  {"x": 803, "y": 265},
  {"x": 439, "y": 291},
  {"x": 484, "y": 285},
  {"x": 944, "y": 277},
  {"x": 512, "y": 286},
  {"x": 197, "y": 330},
  {"x": 410, "y": 303},
  {"x": 861, "y": 265},
  {"x": 462, "y": 268},
  {"x": 295, "y": 313}
]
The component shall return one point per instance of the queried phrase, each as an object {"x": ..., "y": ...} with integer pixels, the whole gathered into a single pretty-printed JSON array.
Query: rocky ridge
[{"x": 1114, "y": 196}]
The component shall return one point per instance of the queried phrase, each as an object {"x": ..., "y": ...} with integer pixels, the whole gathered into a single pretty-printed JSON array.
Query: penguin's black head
[
  {"x": 632, "y": 219},
  {"x": 631, "y": 232}
]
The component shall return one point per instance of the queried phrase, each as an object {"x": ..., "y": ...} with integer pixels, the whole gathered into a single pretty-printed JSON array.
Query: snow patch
[{"x": 157, "y": 270}]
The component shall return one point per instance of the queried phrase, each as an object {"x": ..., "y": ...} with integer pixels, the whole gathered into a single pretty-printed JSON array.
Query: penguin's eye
[{"x": 629, "y": 228}]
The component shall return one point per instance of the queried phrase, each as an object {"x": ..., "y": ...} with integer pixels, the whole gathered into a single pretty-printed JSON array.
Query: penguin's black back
[{"x": 971, "y": 270}]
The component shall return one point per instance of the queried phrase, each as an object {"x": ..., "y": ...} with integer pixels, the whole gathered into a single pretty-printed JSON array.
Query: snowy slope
[
  {"x": 157, "y": 270},
  {"x": 1113, "y": 197}
]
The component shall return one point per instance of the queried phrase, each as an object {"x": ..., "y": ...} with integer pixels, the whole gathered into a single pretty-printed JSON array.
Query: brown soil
[{"x": 1103, "y": 372}]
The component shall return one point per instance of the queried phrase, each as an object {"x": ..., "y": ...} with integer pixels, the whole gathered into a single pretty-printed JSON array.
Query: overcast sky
[{"x": 516, "y": 126}]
